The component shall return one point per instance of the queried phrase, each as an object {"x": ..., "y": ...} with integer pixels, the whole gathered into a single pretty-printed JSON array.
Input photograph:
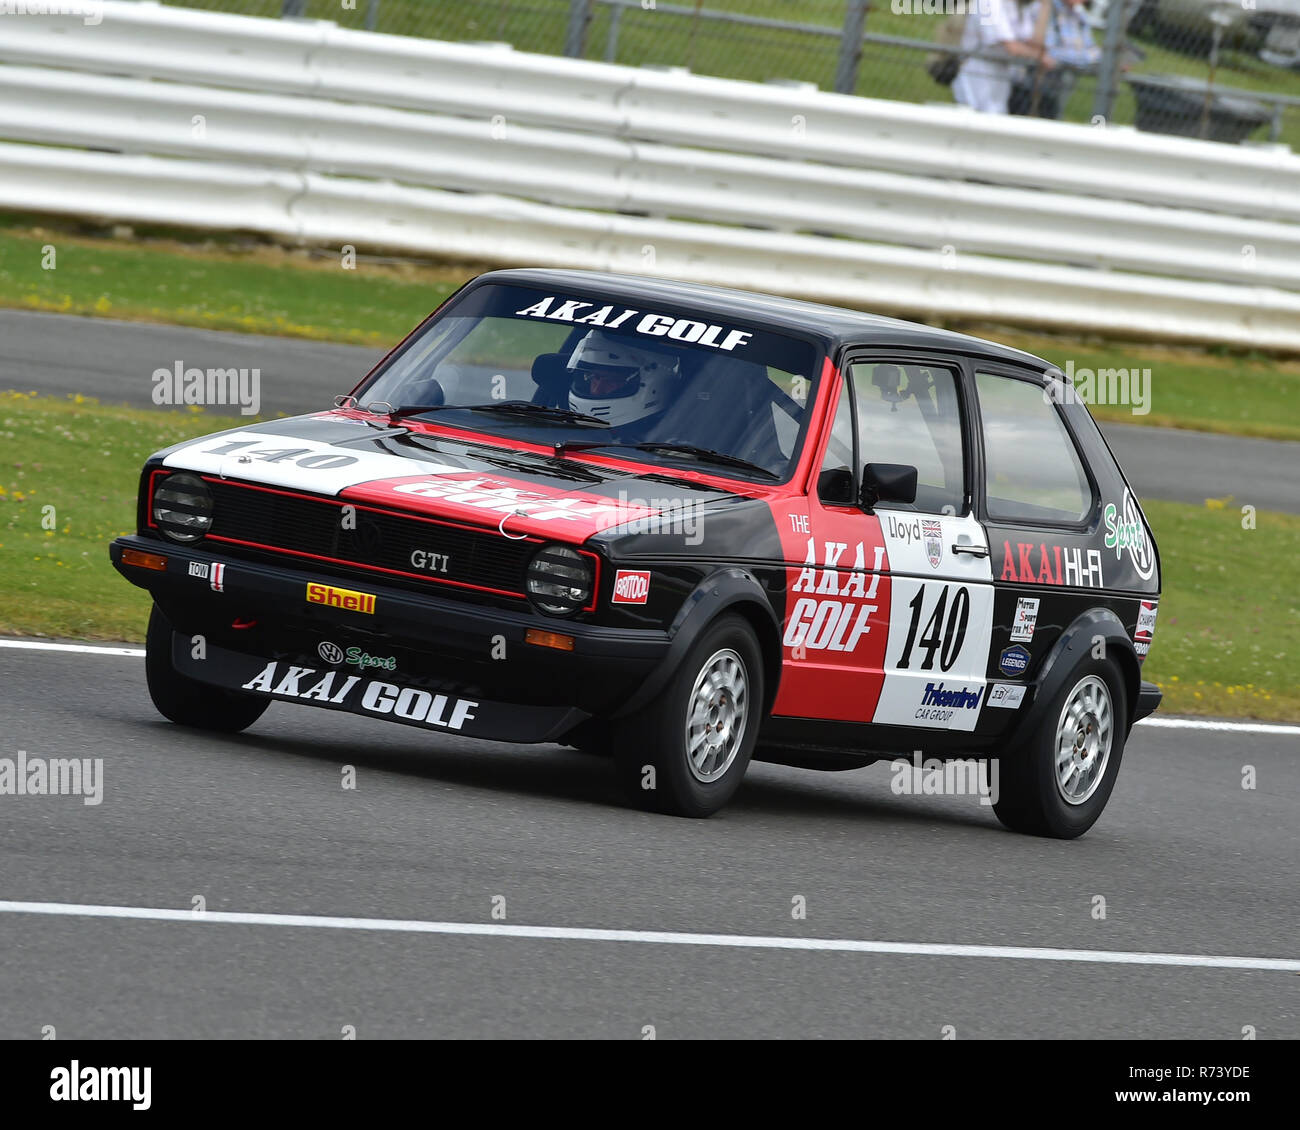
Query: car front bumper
[{"x": 429, "y": 661}]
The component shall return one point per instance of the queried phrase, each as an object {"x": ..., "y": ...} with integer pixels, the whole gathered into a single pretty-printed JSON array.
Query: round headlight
[
  {"x": 559, "y": 579},
  {"x": 182, "y": 507}
]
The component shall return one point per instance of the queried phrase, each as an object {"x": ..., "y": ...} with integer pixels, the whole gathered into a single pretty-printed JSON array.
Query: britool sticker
[
  {"x": 1025, "y": 619},
  {"x": 631, "y": 586}
]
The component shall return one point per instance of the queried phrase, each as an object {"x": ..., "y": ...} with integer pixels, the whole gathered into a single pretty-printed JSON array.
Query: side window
[
  {"x": 910, "y": 414},
  {"x": 835, "y": 480},
  {"x": 1032, "y": 470}
]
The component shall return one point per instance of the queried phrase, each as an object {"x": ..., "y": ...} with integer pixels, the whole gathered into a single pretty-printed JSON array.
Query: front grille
[{"x": 380, "y": 540}]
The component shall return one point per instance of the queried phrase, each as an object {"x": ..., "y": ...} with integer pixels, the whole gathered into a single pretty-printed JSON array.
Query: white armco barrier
[{"x": 308, "y": 132}]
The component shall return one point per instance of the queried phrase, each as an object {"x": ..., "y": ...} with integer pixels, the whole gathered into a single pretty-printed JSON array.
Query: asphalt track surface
[
  {"x": 1187, "y": 861},
  {"x": 115, "y": 361}
]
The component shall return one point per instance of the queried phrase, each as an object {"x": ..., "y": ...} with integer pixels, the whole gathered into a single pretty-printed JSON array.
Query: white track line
[
  {"x": 581, "y": 934},
  {"x": 1169, "y": 723},
  {"x": 83, "y": 648},
  {"x": 1210, "y": 724}
]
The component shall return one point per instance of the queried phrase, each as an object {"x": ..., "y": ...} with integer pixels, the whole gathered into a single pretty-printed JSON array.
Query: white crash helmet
[{"x": 616, "y": 380}]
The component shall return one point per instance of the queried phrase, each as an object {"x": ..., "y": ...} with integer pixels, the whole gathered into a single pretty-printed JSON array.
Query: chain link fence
[{"x": 1225, "y": 70}]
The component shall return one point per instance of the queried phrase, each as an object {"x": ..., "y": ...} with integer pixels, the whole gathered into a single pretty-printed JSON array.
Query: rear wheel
[
  {"x": 1058, "y": 782},
  {"x": 186, "y": 701},
  {"x": 686, "y": 752}
]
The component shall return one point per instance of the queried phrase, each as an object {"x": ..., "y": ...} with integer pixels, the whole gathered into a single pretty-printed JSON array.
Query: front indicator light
[
  {"x": 144, "y": 560},
  {"x": 549, "y": 639}
]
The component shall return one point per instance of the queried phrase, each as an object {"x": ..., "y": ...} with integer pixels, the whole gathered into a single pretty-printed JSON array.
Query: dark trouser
[{"x": 1050, "y": 96}]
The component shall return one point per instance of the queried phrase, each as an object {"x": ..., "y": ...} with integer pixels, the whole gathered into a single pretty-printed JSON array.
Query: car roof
[{"x": 834, "y": 325}]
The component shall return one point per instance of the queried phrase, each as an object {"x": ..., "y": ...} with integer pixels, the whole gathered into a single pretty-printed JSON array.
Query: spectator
[
  {"x": 1068, "y": 42},
  {"x": 984, "y": 83}
]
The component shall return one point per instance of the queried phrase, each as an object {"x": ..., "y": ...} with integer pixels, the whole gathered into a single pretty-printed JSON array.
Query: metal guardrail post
[
  {"x": 846, "y": 70},
  {"x": 293, "y": 9},
  {"x": 1108, "y": 69},
  {"x": 611, "y": 38},
  {"x": 372, "y": 15},
  {"x": 575, "y": 37}
]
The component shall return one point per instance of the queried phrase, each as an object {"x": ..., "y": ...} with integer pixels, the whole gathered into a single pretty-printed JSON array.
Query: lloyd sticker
[
  {"x": 916, "y": 544},
  {"x": 631, "y": 586},
  {"x": 408, "y": 704},
  {"x": 1025, "y": 619},
  {"x": 932, "y": 533},
  {"x": 1146, "y": 626},
  {"x": 1006, "y": 696}
]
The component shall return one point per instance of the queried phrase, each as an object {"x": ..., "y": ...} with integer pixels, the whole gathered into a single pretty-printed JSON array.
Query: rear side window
[
  {"x": 1032, "y": 471},
  {"x": 910, "y": 414}
]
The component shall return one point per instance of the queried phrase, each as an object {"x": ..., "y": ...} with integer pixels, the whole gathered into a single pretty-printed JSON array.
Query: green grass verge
[
  {"x": 257, "y": 288},
  {"x": 1227, "y": 636},
  {"x": 251, "y": 288}
]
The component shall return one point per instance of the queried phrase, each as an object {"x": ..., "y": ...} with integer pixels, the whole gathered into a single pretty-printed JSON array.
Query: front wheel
[
  {"x": 186, "y": 701},
  {"x": 685, "y": 753},
  {"x": 1057, "y": 783}
]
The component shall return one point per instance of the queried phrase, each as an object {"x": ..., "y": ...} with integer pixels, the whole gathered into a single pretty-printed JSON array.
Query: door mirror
[
  {"x": 835, "y": 485},
  {"x": 887, "y": 482}
]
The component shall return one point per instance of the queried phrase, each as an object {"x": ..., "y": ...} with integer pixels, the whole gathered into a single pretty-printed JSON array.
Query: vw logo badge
[{"x": 330, "y": 652}]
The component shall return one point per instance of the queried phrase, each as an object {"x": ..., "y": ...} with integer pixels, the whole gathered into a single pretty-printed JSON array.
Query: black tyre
[
  {"x": 1057, "y": 783},
  {"x": 685, "y": 753},
  {"x": 184, "y": 700}
]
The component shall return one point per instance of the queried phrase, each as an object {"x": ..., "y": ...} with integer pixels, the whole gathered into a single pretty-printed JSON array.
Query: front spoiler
[
  {"x": 1149, "y": 696},
  {"x": 371, "y": 695}
]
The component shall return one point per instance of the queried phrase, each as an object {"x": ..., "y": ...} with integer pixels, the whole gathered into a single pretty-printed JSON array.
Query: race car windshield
[{"x": 669, "y": 386}]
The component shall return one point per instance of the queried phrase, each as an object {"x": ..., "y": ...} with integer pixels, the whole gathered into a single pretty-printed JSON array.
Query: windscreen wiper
[
  {"x": 513, "y": 407},
  {"x": 704, "y": 454}
]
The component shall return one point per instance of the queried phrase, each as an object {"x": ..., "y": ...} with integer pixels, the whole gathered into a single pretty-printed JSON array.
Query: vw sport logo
[
  {"x": 631, "y": 586},
  {"x": 1126, "y": 530},
  {"x": 330, "y": 652}
]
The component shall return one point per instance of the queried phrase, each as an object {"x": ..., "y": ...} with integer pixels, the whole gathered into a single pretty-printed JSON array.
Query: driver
[{"x": 616, "y": 380}]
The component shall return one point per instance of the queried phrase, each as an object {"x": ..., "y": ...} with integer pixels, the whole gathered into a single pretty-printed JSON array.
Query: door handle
[{"x": 973, "y": 550}]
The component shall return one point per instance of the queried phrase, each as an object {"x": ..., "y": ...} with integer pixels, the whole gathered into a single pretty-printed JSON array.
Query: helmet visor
[{"x": 601, "y": 382}]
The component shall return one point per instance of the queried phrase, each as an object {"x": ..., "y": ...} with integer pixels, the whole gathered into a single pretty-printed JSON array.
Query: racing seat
[
  {"x": 552, "y": 378},
  {"x": 727, "y": 406}
]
